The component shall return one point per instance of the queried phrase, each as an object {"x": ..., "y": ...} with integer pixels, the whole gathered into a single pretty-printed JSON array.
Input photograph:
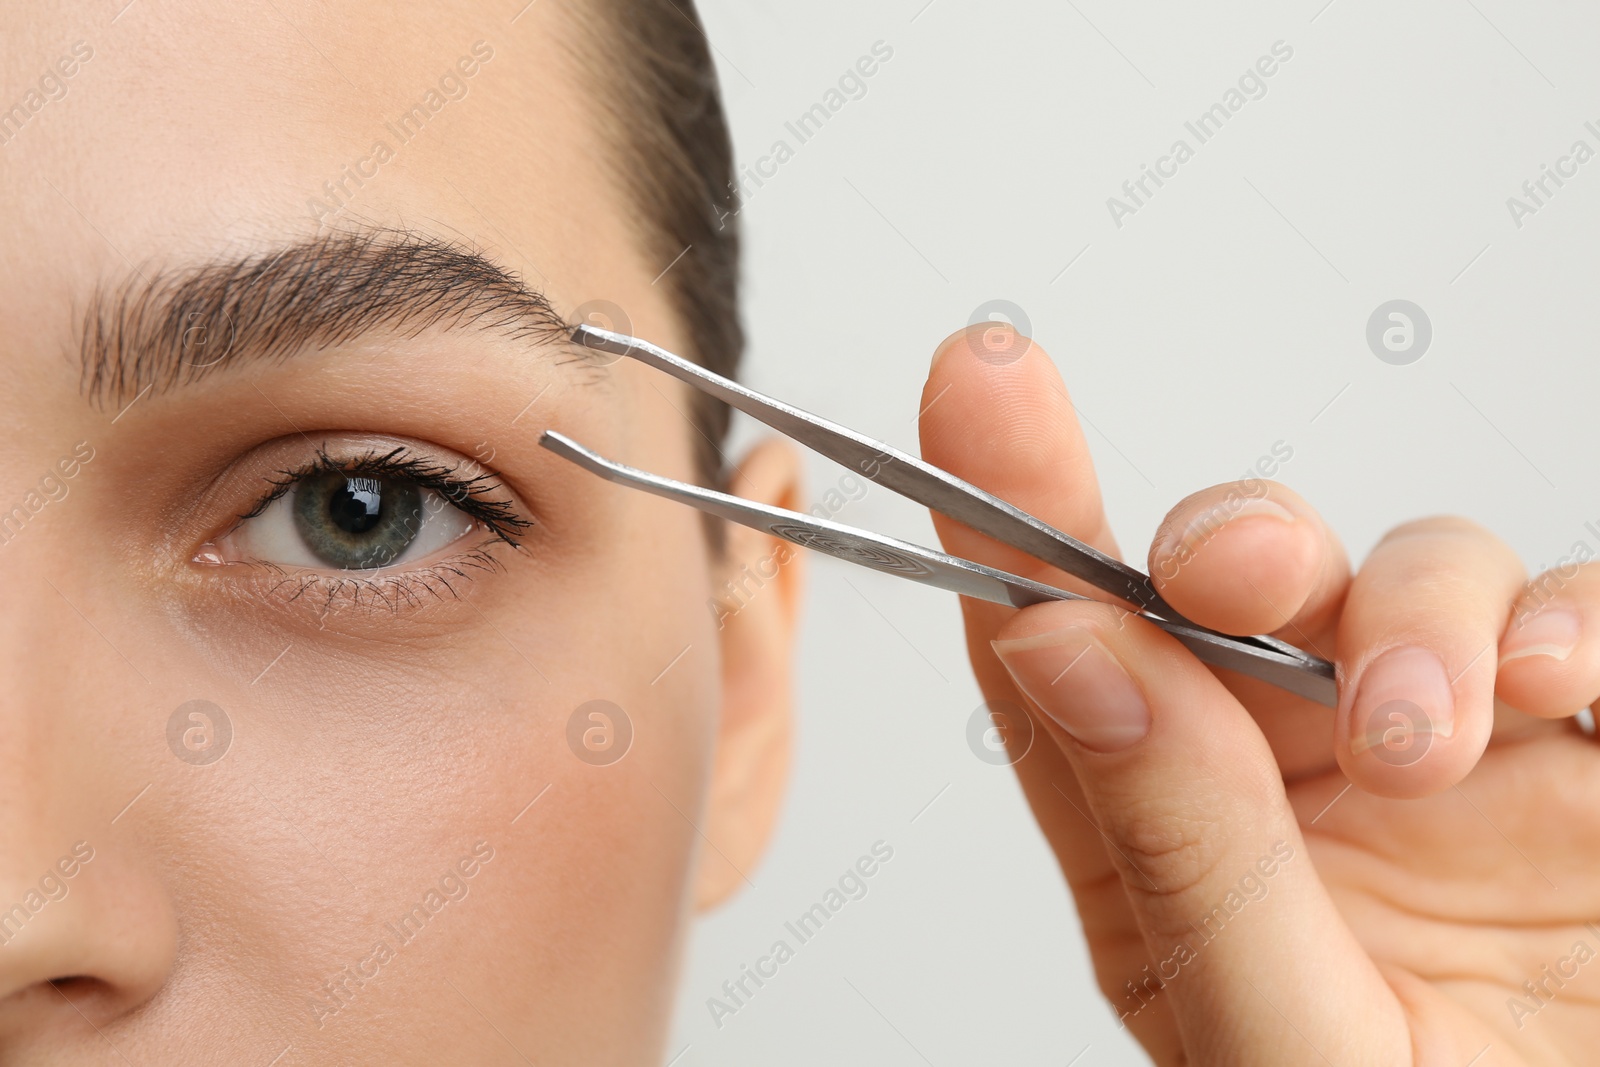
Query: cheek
[
  {"x": 360, "y": 772},
  {"x": 598, "y": 873}
]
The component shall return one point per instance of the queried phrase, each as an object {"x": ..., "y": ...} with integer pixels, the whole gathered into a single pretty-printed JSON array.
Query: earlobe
[{"x": 757, "y": 599}]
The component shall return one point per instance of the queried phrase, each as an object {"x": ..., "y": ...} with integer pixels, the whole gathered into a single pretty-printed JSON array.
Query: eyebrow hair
[{"x": 159, "y": 331}]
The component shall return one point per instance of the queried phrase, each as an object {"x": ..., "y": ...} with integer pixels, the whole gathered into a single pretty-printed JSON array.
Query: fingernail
[
  {"x": 1204, "y": 526},
  {"x": 1549, "y": 632},
  {"x": 1078, "y": 682},
  {"x": 1403, "y": 701}
]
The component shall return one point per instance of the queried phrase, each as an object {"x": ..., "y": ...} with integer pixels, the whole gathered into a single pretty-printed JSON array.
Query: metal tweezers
[{"x": 1266, "y": 658}]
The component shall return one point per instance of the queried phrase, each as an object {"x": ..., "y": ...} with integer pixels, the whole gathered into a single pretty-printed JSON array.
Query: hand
[{"x": 1249, "y": 891}]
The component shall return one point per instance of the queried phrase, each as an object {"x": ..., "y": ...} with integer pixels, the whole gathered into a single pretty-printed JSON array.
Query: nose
[
  {"x": 87, "y": 925},
  {"x": 91, "y": 924}
]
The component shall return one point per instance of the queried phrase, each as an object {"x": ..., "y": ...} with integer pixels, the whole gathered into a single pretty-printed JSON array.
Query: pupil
[{"x": 357, "y": 506}]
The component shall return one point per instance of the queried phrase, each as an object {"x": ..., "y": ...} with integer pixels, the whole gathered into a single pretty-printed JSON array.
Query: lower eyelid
[{"x": 322, "y": 596}]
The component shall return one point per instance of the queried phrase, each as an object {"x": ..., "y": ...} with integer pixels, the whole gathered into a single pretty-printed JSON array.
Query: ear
[{"x": 758, "y": 593}]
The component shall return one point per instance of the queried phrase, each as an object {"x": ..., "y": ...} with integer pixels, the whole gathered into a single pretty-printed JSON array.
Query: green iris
[{"x": 356, "y": 522}]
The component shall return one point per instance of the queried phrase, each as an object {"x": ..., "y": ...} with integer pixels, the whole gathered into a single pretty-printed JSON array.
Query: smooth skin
[
  {"x": 376, "y": 746},
  {"x": 1386, "y": 887}
]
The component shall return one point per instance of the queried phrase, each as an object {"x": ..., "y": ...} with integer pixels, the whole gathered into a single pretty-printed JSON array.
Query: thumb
[{"x": 1248, "y": 951}]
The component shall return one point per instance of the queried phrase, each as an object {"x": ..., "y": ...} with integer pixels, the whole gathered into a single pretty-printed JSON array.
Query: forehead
[{"x": 185, "y": 130}]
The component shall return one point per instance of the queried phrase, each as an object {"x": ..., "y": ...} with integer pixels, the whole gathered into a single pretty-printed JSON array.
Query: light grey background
[{"x": 1227, "y": 314}]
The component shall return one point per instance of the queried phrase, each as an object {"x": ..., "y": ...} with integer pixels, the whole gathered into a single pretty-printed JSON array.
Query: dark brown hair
[{"x": 674, "y": 160}]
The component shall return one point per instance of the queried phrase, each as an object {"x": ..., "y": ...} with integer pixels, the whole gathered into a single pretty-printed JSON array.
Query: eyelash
[
  {"x": 472, "y": 495},
  {"x": 395, "y": 590}
]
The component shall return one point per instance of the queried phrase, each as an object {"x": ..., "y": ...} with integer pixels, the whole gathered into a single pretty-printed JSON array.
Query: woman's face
[{"x": 325, "y": 784}]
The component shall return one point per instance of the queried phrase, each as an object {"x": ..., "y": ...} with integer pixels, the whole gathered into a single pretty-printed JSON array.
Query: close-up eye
[{"x": 366, "y": 513}]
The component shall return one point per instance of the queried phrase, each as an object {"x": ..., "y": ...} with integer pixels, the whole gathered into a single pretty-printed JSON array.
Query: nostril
[{"x": 81, "y": 990}]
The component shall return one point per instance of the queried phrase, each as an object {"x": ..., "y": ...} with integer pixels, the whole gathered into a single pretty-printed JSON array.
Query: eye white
[{"x": 274, "y": 537}]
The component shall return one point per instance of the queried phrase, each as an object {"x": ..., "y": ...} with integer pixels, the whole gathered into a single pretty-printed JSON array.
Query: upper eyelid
[{"x": 484, "y": 495}]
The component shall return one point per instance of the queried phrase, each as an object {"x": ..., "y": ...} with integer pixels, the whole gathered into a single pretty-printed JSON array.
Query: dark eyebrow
[{"x": 175, "y": 326}]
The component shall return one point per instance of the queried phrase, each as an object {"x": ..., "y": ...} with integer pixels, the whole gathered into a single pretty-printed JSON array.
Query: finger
[
  {"x": 1550, "y": 651},
  {"x": 1251, "y": 557},
  {"x": 1207, "y": 847},
  {"x": 996, "y": 413},
  {"x": 1417, "y": 653}
]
